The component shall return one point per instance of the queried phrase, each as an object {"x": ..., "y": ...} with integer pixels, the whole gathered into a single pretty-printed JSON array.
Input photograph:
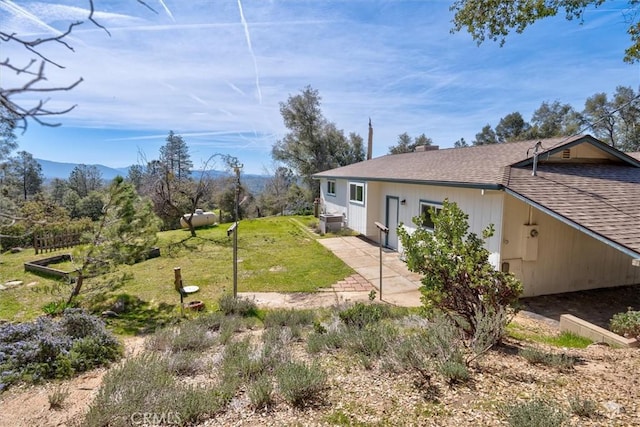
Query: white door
[{"x": 392, "y": 209}]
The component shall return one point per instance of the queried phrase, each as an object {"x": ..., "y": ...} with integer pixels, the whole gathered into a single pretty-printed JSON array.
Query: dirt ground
[
  {"x": 610, "y": 377},
  {"x": 595, "y": 306},
  {"x": 28, "y": 406}
]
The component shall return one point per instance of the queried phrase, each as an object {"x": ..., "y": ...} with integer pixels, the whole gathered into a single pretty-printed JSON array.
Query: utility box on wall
[{"x": 530, "y": 242}]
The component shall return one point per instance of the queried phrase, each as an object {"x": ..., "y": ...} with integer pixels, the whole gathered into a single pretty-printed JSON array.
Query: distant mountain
[
  {"x": 60, "y": 170},
  {"x": 51, "y": 170}
]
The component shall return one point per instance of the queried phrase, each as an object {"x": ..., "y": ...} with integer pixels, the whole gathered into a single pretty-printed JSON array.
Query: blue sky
[{"x": 215, "y": 72}]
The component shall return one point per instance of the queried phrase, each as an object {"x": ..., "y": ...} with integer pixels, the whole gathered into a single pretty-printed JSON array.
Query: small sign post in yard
[{"x": 383, "y": 229}]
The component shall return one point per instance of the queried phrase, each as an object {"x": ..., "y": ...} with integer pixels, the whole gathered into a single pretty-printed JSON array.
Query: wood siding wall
[
  {"x": 483, "y": 208},
  {"x": 563, "y": 259}
]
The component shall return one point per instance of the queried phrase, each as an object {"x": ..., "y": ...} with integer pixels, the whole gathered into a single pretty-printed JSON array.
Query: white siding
[
  {"x": 563, "y": 259},
  {"x": 355, "y": 214},
  {"x": 483, "y": 208}
]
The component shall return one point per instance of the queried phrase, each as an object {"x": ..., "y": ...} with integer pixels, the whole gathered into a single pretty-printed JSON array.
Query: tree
[
  {"x": 406, "y": 144},
  {"x": 312, "y": 144},
  {"x": 460, "y": 143},
  {"x": 84, "y": 179},
  {"x": 495, "y": 19},
  {"x": 627, "y": 104},
  {"x": 457, "y": 275},
  {"x": 554, "y": 119},
  {"x": 90, "y": 206},
  {"x": 124, "y": 235},
  {"x": 135, "y": 176},
  {"x": 8, "y": 209},
  {"x": 273, "y": 199},
  {"x": 422, "y": 139},
  {"x": 174, "y": 155},
  {"x": 486, "y": 137},
  {"x": 599, "y": 114},
  {"x": 25, "y": 174},
  {"x": 57, "y": 188},
  {"x": 512, "y": 127},
  {"x": 23, "y": 101},
  {"x": 7, "y": 133}
]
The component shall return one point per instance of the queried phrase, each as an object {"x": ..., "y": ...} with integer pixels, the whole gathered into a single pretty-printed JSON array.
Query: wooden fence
[{"x": 49, "y": 242}]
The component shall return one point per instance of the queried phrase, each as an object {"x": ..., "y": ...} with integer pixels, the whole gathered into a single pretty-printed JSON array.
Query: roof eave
[
  {"x": 588, "y": 139},
  {"x": 474, "y": 185}
]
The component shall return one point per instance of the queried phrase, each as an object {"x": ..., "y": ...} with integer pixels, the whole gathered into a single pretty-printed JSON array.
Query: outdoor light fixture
[{"x": 403, "y": 201}]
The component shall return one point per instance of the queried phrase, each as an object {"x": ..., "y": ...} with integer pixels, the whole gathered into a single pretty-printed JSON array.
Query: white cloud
[{"x": 204, "y": 69}]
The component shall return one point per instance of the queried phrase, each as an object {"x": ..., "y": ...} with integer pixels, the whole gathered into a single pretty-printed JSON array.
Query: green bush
[
  {"x": 238, "y": 306},
  {"x": 57, "y": 398},
  {"x": 241, "y": 361},
  {"x": 94, "y": 351},
  {"x": 359, "y": 315},
  {"x": 47, "y": 348},
  {"x": 626, "y": 324},
  {"x": 145, "y": 384},
  {"x": 301, "y": 384},
  {"x": 185, "y": 363},
  {"x": 585, "y": 408},
  {"x": 327, "y": 341},
  {"x": 457, "y": 274},
  {"x": 455, "y": 371},
  {"x": 261, "y": 392},
  {"x": 535, "y": 413},
  {"x": 56, "y": 308},
  {"x": 290, "y": 318},
  {"x": 275, "y": 348},
  {"x": 409, "y": 354},
  {"x": 192, "y": 337},
  {"x": 560, "y": 361},
  {"x": 210, "y": 321},
  {"x": 371, "y": 341}
]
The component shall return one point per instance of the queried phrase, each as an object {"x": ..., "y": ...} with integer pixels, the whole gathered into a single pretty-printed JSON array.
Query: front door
[{"x": 393, "y": 206}]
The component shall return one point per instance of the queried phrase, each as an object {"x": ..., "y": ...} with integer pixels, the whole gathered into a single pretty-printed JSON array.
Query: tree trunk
[{"x": 76, "y": 289}]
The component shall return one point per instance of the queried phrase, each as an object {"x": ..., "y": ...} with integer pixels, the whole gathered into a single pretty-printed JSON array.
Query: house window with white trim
[
  {"x": 331, "y": 188},
  {"x": 425, "y": 213},
  {"x": 356, "y": 192}
]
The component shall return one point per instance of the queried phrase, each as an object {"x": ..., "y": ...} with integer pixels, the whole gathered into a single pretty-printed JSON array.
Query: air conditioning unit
[{"x": 330, "y": 223}]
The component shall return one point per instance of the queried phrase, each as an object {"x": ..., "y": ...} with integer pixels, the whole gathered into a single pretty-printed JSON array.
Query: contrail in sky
[
  {"x": 255, "y": 64},
  {"x": 19, "y": 10},
  {"x": 166, "y": 9}
]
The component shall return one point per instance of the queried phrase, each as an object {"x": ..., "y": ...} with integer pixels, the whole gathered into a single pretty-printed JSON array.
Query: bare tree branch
[{"x": 38, "y": 113}]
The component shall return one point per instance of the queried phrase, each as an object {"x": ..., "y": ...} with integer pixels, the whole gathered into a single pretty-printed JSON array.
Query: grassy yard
[{"x": 275, "y": 254}]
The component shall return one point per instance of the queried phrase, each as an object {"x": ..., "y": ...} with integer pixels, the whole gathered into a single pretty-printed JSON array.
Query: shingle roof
[
  {"x": 604, "y": 198},
  {"x": 477, "y": 165}
]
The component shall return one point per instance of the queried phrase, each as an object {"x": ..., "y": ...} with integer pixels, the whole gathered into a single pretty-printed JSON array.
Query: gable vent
[{"x": 566, "y": 153}]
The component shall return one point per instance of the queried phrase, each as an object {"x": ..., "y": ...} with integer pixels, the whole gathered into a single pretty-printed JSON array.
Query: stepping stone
[{"x": 12, "y": 284}]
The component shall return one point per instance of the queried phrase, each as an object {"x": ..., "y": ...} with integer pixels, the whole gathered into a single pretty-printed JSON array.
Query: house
[{"x": 566, "y": 211}]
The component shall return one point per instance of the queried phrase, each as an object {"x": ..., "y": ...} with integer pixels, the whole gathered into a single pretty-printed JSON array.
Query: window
[
  {"x": 425, "y": 213},
  {"x": 356, "y": 192},
  {"x": 331, "y": 188}
]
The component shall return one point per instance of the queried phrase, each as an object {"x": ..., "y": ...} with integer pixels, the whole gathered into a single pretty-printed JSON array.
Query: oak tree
[{"x": 496, "y": 19}]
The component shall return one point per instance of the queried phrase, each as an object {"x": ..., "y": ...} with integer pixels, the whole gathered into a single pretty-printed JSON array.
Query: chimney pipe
[
  {"x": 370, "y": 141},
  {"x": 534, "y": 172}
]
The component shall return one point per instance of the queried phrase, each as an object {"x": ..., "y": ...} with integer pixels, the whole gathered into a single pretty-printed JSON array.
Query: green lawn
[{"x": 275, "y": 254}]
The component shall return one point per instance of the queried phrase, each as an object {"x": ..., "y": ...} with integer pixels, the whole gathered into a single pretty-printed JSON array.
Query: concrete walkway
[{"x": 399, "y": 285}]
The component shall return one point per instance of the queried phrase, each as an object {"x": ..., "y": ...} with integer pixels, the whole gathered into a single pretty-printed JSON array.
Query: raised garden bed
[
  {"x": 595, "y": 333},
  {"x": 44, "y": 266}
]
